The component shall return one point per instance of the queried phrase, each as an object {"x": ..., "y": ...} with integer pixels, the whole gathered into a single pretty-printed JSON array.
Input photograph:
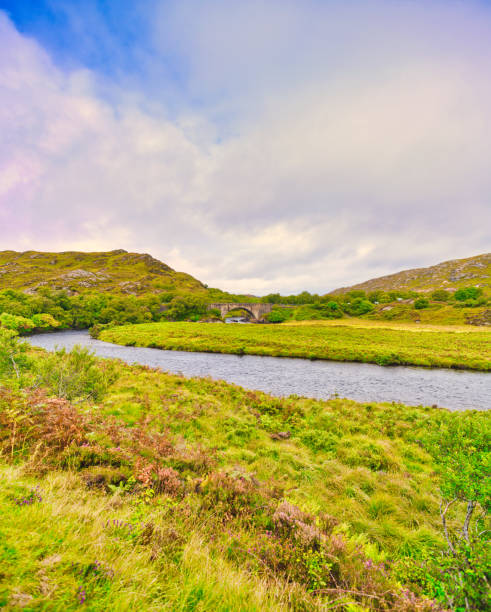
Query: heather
[
  {"x": 381, "y": 345},
  {"x": 127, "y": 487}
]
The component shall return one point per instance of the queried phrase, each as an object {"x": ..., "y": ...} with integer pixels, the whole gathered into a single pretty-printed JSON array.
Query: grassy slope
[
  {"x": 435, "y": 314},
  {"x": 114, "y": 271},
  {"x": 341, "y": 342},
  {"x": 454, "y": 274},
  {"x": 361, "y": 463},
  {"x": 48, "y": 551}
]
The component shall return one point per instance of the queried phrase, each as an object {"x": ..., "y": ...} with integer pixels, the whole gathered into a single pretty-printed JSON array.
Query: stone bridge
[{"x": 257, "y": 311}]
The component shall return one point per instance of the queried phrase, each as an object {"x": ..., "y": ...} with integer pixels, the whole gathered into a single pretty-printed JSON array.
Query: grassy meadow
[
  {"x": 397, "y": 325},
  {"x": 370, "y": 344},
  {"x": 124, "y": 487},
  {"x": 434, "y": 314}
]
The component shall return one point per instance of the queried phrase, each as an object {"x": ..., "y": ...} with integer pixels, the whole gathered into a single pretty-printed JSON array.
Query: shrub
[
  {"x": 45, "y": 321},
  {"x": 376, "y": 296},
  {"x": 358, "y": 306},
  {"x": 467, "y": 293},
  {"x": 52, "y": 424},
  {"x": 74, "y": 375},
  {"x": 421, "y": 303},
  {"x": 440, "y": 295},
  {"x": 160, "y": 479},
  {"x": 21, "y": 325},
  {"x": 278, "y": 315},
  {"x": 231, "y": 494},
  {"x": 13, "y": 358},
  {"x": 461, "y": 449}
]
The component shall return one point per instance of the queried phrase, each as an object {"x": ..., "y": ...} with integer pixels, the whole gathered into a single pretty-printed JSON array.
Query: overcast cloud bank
[{"x": 305, "y": 145}]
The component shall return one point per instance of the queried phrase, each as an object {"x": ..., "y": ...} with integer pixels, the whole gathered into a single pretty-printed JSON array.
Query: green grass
[
  {"x": 48, "y": 553},
  {"x": 398, "y": 325},
  {"x": 359, "y": 464},
  {"x": 118, "y": 272},
  {"x": 435, "y": 314},
  {"x": 453, "y": 274},
  {"x": 168, "y": 492},
  {"x": 341, "y": 343}
]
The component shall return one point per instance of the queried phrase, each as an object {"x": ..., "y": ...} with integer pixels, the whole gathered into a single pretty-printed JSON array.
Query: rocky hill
[
  {"x": 450, "y": 275},
  {"x": 114, "y": 271}
]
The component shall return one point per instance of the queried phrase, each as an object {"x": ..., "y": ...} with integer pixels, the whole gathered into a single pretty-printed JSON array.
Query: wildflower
[
  {"x": 81, "y": 595},
  {"x": 34, "y": 496}
]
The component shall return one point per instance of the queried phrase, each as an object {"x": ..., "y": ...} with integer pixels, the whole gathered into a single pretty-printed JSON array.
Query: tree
[
  {"x": 12, "y": 354},
  {"x": 467, "y": 293},
  {"x": 440, "y": 295},
  {"x": 461, "y": 449},
  {"x": 421, "y": 303}
]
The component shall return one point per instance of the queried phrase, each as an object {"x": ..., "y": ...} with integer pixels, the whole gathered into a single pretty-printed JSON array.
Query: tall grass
[
  {"x": 340, "y": 343},
  {"x": 193, "y": 494}
]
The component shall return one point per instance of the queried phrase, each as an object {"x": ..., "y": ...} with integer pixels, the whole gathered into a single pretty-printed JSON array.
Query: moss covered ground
[{"x": 372, "y": 344}]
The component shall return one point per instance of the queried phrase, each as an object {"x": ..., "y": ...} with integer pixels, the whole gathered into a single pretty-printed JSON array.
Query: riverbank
[
  {"x": 320, "y": 379},
  {"x": 154, "y": 491},
  {"x": 383, "y": 346}
]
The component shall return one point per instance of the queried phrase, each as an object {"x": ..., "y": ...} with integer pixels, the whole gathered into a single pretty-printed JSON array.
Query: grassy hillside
[
  {"x": 449, "y": 275},
  {"x": 114, "y": 271},
  {"x": 135, "y": 489},
  {"x": 340, "y": 343}
]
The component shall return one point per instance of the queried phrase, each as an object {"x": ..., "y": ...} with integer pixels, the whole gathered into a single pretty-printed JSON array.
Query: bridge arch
[
  {"x": 231, "y": 307},
  {"x": 256, "y": 310}
]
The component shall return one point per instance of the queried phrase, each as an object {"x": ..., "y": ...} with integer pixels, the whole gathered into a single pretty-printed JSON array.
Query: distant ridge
[
  {"x": 77, "y": 272},
  {"x": 450, "y": 275}
]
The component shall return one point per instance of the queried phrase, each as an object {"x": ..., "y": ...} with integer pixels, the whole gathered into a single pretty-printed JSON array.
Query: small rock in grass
[{"x": 281, "y": 435}]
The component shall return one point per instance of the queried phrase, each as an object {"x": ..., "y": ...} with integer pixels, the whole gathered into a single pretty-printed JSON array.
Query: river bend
[{"x": 452, "y": 389}]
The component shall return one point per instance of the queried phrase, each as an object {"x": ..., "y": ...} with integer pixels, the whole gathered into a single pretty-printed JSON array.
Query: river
[{"x": 452, "y": 389}]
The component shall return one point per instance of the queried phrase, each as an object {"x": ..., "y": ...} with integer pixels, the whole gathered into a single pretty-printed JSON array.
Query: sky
[{"x": 259, "y": 145}]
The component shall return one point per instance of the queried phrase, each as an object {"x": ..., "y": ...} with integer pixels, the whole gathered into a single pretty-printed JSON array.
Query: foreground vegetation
[
  {"x": 340, "y": 343},
  {"x": 123, "y": 487}
]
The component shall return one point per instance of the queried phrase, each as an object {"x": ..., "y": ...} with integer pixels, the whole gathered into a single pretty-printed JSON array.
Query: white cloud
[{"x": 333, "y": 142}]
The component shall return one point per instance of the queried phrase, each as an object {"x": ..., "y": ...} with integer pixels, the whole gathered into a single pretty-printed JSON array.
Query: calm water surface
[{"x": 453, "y": 389}]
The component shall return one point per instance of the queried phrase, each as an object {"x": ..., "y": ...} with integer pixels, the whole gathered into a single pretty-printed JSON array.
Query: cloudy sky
[{"x": 260, "y": 145}]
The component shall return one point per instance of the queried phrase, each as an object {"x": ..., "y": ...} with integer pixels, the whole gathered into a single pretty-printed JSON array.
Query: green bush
[
  {"x": 461, "y": 448},
  {"x": 19, "y": 324},
  {"x": 278, "y": 315},
  {"x": 421, "y": 303},
  {"x": 440, "y": 295},
  {"x": 76, "y": 374},
  {"x": 467, "y": 293},
  {"x": 13, "y": 358},
  {"x": 358, "y": 306},
  {"x": 45, "y": 321}
]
